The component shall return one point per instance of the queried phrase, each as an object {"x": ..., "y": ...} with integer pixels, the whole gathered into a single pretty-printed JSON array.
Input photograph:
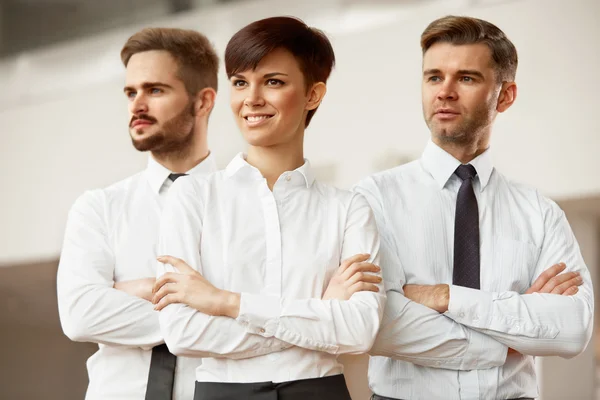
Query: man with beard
[
  {"x": 108, "y": 261},
  {"x": 467, "y": 255}
]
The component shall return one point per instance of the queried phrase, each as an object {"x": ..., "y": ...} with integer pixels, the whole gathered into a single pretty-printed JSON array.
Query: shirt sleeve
[
  {"x": 330, "y": 326},
  {"x": 412, "y": 332},
  {"x": 90, "y": 309},
  {"x": 187, "y": 331},
  {"x": 535, "y": 324}
]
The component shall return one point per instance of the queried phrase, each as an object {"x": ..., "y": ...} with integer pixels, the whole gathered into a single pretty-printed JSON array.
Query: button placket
[{"x": 272, "y": 241}]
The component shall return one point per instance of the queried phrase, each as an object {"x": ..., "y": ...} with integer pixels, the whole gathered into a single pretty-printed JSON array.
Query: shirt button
[
  {"x": 262, "y": 330},
  {"x": 462, "y": 315},
  {"x": 288, "y": 178}
]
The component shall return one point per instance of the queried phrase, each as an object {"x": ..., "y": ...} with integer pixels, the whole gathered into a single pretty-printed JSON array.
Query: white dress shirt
[
  {"x": 462, "y": 354},
  {"x": 111, "y": 236},
  {"x": 279, "y": 250}
]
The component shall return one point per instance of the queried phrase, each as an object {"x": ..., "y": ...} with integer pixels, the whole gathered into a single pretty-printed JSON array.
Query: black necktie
[
  {"x": 174, "y": 177},
  {"x": 162, "y": 374},
  {"x": 466, "y": 231},
  {"x": 162, "y": 365}
]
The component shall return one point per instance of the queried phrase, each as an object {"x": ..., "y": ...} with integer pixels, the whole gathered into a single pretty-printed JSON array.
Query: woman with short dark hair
[{"x": 270, "y": 275}]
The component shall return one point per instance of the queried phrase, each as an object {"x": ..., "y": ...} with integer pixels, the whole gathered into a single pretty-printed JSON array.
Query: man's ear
[
  {"x": 205, "y": 101},
  {"x": 508, "y": 95}
]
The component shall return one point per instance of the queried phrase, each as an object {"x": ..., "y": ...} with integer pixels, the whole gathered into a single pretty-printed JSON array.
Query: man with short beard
[
  {"x": 108, "y": 261},
  {"x": 467, "y": 255}
]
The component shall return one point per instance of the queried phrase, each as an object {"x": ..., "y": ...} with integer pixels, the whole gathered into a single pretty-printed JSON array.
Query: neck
[
  {"x": 465, "y": 152},
  {"x": 273, "y": 161},
  {"x": 186, "y": 158}
]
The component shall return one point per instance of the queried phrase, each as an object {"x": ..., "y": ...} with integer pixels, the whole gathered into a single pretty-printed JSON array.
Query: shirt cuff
[
  {"x": 470, "y": 307},
  {"x": 484, "y": 352},
  {"x": 260, "y": 313},
  {"x": 475, "y": 309}
]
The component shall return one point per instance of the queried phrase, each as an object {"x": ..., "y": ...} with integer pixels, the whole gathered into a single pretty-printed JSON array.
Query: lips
[
  {"x": 253, "y": 120},
  {"x": 141, "y": 123},
  {"x": 257, "y": 117},
  {"x": 446, "y": 111}
]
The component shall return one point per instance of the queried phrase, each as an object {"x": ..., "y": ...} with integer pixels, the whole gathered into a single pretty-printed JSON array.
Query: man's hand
[
  {"x": 552, "y": 281},
  {"x": 435, "y": 297},
  {"x": 191, "y": 288},
  {"x": 141, "y": 288},
  {"x": 352, "y": 276}
]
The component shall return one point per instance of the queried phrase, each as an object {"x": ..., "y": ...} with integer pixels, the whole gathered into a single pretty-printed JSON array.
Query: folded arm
[
  {"x": 412, "y": 332},
  {"x": 540, "y": 324},
  {"x": 90, "y": 309},
  {"x": 333, "y": 326},
  {"x": 187, "y": 331}
]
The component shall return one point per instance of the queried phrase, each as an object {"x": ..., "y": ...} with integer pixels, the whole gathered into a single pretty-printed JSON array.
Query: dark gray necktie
[
  {"x": 162, "y": 374},
  {"x": 162, "y": 365},
  {"x": 174, "y": 177},
  {"x": 466, "y": 231}
]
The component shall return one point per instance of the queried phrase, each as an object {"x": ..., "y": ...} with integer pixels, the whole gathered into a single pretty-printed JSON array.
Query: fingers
[
  {"x": 363, "y": 287},
  {"x": 558, "y": 280},
  {"x": 573, "y": 282},
  {"x": 166, "y": 289},
  {"x": 171, "y": 298},
  {"x": 354, "y": 259},
  {"x": 545, "y": 277},
  {"x": 571, "y": 291},
  {"x": 359, "y": 267},
  {"x": 177, "y": 263},
  {"x": 363, "y": 277},
  {"x": 169, "y": 277}
]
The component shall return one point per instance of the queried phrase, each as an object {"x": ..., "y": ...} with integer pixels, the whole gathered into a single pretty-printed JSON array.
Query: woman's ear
[{"x": 315, "y": 95}]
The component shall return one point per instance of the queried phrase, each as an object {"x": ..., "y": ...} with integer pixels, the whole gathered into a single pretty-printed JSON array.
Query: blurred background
[{"x": 63, "y": 129}]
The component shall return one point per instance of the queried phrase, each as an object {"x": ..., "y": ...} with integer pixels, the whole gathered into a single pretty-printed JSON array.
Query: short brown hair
[
  {"x": 466, "y": 30},
  {"x": 310, "y": 47},
  {"x": 196, "y": 57}
]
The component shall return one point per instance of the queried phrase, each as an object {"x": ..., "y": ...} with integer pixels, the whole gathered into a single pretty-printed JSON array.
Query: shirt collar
[
  {"x": 441, "y": 165},
  {"x": 157, "y": 174},
  {"x": 240, "y": 167}
]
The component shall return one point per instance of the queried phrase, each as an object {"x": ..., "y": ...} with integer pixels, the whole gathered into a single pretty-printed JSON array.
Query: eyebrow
[
  {"x": 269, "y": 75},
  {"x": 148, "y": 85},
  {"x": 473, "y": 72},
  {"x": 431, "y": 72}
]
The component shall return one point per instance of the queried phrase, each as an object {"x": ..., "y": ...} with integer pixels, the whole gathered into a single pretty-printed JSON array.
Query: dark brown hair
[
  {"x": 466, "y": 30},
  {"x": 310, "y": 47},
  {"x": 197, "y": 60}
]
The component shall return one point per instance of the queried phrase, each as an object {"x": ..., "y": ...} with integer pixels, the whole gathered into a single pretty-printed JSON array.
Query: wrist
[
  {"x": 230, "y": 302},
  {"x": 442, "y": 297},
  {"x": 145, "y": 289}
]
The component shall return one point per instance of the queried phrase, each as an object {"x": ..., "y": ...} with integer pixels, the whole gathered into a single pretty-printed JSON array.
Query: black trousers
[{"x": 328, "y": 388}]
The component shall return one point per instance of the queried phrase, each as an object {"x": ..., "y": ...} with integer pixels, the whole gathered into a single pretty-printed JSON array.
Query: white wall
[{"x": 63, "y": 117}]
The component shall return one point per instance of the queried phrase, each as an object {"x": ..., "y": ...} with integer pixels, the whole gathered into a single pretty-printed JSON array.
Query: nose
[
  {"x": 254, "y": 97},
  {"x": 447, "y": 91},
  {"x": 139, "y": 105}
]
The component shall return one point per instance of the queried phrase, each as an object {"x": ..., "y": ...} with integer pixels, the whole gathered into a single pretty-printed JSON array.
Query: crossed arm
[
  {"x": 90, "y": 308},
  {"x": 196, "y": 314},
  {"x": 94, "y": 308},
  {"x": 441, "y": 326}
]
